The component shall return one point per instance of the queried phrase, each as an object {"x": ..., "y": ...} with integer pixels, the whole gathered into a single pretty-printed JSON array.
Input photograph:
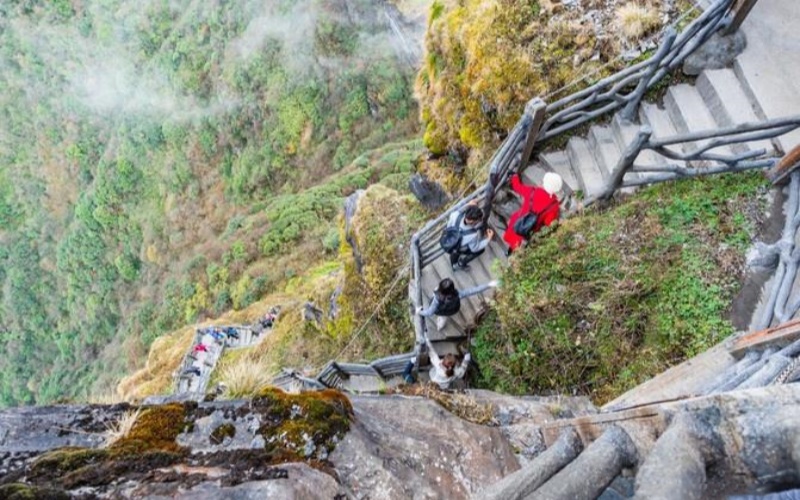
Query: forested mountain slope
[{"x": 164, "y": 161}]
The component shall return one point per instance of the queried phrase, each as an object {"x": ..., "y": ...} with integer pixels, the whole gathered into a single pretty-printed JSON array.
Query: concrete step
[
  {"x": 533, "y": 175},
  {"x": 432, "y": 275},
  {"x": 765, "y": 74},
  {"x": 582, "y": 160},
  {"x": 729, "y": 104},
  {"x": 605, "y": 148},
  {"x": 559, "y": 163},
  {"x": 659, "y": 121},
  {"x": 689, "y": 113}
]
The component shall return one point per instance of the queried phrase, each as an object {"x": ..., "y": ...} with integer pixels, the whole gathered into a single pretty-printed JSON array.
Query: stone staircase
[
  {"x": 481, "y": 271},
  {"x": 206, "y": 362},
  {"x": 718, "y": 98}
]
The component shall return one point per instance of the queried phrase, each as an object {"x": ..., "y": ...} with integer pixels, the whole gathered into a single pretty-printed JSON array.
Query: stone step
[
  {"x": 432, "y": 275},
  {"x": 559, "y": 163},
  {"x": 533, "y": 175},
  {"x": 605, "y": 148},
  {"x": 765, "y": 76},
  {"x": 689, "y": 113},
  {"x": 582, "y": 160},
  {"x": 729, "y": 104},
  {"x": 659, "y": 121}
]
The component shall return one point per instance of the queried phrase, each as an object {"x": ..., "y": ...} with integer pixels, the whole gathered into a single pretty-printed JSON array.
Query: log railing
[
  {"x": 695, "y": 154},
  {"x": 626, "y": 88}
]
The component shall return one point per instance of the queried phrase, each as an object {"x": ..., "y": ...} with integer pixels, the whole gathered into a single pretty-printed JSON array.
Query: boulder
[
  {"x": 716, "y": 53},
  {"x": 400, "y": 447},
  {"x": 430, "y": 194},
  {"x": 350, "y": 209}
]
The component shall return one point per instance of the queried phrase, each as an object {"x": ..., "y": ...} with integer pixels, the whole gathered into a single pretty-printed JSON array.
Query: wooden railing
[
  {"x": 626, "y": 88},
  {"x": 695, "y": 154}
]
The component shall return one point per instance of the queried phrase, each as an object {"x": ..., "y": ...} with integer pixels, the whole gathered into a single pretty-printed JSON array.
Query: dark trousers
[
  {"x": 464, "y": 258},
  {"x": 408, "y": 372}
]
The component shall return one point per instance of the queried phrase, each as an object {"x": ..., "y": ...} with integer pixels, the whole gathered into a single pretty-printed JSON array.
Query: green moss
[
  {"x": 155, "y": 430},
  {"x": 18, "y": 491},
  {"x": 219, "y": 434},
  {"x": 614, "y": 297},
  {"x": 64, "y": 460},
  {"x": 292, "y": 421}
]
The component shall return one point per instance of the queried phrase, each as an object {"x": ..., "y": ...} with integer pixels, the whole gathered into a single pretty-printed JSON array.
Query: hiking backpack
[
  {"x": 450, "y": 241},
  {"x": 448, "y": 305},
  {"x": 525, "y": 224}
]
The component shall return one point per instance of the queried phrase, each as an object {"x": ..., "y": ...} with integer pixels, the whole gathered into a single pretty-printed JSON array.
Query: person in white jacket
[{"x": 447, "y": 369}]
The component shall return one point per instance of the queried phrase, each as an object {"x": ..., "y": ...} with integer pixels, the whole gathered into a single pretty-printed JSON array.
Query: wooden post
[
  {"x": 740, "y": 11},
  {"x": 536, "y": 110},
  {"x": 614, "y": 181}
]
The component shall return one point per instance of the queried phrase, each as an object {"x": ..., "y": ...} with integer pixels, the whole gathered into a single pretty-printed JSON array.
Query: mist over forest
[{"x": 164, "y": 161}]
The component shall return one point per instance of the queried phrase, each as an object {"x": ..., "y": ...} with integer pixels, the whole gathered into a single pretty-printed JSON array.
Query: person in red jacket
[{"x": 542, "y": 201}]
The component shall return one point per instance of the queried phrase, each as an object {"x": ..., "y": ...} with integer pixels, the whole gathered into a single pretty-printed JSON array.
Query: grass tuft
[
  {"x": 635, "y": 20},
  {"x": 245, "y": 379},
  {"x": 121, "y": 428},
  {"x": 614, "y": 297}
]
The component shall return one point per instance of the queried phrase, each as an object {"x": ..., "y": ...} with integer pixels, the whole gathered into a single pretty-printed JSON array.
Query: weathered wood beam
[
  {"x": 536, "y": 110},
  {"x": 594, "y": 469},
  {"x": 740, "y": 11},
  {"x": 684, "y": 450},
  {"x": 522, "y": 483},
  {"x": 781, "y": 173},
  {"x": 779, "y": 336}
]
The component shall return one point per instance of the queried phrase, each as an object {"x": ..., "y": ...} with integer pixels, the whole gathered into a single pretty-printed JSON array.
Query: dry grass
[
  {"x": 244, "y": 379},
  {"x": 121, "y": 428},
  {"x": 635, "y": 20},
  {"x": 459, "y": 404}
]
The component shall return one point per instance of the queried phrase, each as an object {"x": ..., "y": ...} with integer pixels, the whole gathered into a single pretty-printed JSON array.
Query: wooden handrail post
[
  {"x": 740, "y": 11},
  {"x": 536, "y": 110},
  {"x": 625, "y": 162}
]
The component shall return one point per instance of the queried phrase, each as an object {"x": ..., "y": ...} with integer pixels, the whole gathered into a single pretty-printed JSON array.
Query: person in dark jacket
[
  {"x": 446, "y": 300},
  {"x": 469, "y": 223}
]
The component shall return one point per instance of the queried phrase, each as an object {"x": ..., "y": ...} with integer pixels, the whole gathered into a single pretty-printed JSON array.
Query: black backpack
[
  {"x": 527, "y": 222},
  {"x": 450, "y": 240},
  {"x": 448, "y": 305}
]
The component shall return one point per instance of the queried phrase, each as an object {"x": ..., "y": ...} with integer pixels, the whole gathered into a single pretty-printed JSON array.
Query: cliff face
[{"x": 315, "y": 445}]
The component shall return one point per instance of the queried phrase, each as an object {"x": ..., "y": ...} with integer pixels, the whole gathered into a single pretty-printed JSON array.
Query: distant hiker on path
[
  {"x": 462, "y": 236},
  {"x": 200, "y": 348},
  {"x": 540, "y": 207},
  {"x": 445, "y": 370},
  {"x": 446, "y": 300}
]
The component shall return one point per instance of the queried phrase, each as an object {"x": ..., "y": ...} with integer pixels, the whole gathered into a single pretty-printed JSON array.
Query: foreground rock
[
  {"x": 402, "y": 448},
  {"x": 313, "y": 445}
]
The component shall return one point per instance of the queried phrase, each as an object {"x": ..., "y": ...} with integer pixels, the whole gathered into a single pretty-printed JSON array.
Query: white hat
[{"x": 552, "y": 183}]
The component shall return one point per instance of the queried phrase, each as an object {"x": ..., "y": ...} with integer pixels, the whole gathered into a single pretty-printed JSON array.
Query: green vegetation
[
  {"x": 614, "y": 297},
  {"x": 163, "y": 164},
  {"x": 485, "y": 60}
]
